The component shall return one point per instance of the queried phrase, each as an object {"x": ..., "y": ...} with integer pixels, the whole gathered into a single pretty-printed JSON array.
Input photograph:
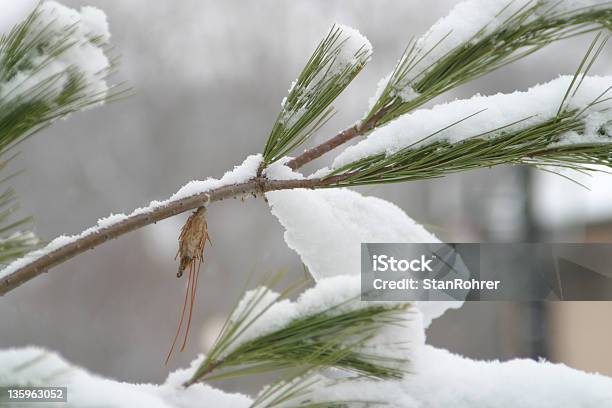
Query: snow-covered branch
[
  {"x": 565, "y": 123},
  {"x": 241, "y": 182}
]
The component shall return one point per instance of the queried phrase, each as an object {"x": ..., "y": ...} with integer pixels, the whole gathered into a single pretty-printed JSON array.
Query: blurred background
[{"x": 208, "y": 79}]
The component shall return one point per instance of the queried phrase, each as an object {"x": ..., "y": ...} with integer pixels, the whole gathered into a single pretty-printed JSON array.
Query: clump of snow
[
  {"x": 280, "y": 171},
  {"x": 96, "y": 22},
  {"x": 240, "y": 174},
  {"x": 88, "y": 35},
  {"x": 407, "y": 93},
  {"x": 14, "y": 12},
  {"x": 32, "y": 366},
  {"x": 401, "y": 342},
  {"x": 326, "y": 228},
  {"x": 403, "y": 91},
  {"x": 110, "y": 220},
  {"x": 598, "y": 129},
  {"x": 461, "y": 25},
  {"x": 531, "y": 107},
  {"x": 443, "y": 379},
  {"x": 353, "y": 44}
]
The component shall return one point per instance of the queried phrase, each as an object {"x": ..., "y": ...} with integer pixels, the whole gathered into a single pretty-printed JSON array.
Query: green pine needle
[
  {"x": 525, "y": 32},
  {"x": 297, "y": 392},
  {"x": 537, "y": 145},
  {"x": 27, "y": 50},
  {"x": 335, "y": 337},
  {"x": 530, "y": 146},
  {"x": 27, "y": 107},
  {"x": 307, "y": 107}
]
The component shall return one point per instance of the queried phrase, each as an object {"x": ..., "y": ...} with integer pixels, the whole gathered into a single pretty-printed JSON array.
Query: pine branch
[
  {"x": 336, "y": 337},
  {"x": 411, "y": 85},
  {"x": 354, "y": 131},
  {"x": 537, "y": 144},
  {"x": 41, "y": 81},
  {"x": 30, "y": 268},
  {"x": 524, "y": 32},
  {"x": 533, "y": 146},
  {"x": 33, "y": 91}
]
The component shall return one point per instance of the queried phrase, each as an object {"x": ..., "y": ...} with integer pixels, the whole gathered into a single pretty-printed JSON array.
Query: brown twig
[
  {"x": 60, "y": 255},
  {"x": 346, "y": 135}
]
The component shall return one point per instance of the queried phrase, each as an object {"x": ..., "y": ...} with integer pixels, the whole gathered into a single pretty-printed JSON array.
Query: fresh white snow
[
  {"x": 436, "y": 378},
  {"x": 35, "y": 366},
  {"x": 326, "y": 228},
  {"x": 88, "y": 32},
  {"x": 533, "y": 106},
  {"x": 443, "y": 379},
  {"x": 240, "y": 174},
  {"x": 353, "y": 43}
]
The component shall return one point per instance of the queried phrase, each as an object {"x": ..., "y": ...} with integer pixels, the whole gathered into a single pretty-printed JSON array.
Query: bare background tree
[{"x": 209, "y": 78}]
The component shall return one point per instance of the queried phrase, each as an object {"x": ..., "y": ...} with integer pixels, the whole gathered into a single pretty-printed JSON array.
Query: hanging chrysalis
[{"x": 192, "y": 243}]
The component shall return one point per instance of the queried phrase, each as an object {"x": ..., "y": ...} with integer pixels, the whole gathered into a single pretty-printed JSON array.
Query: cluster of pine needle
[
  {"x": 307, "y": 107},
  {"x": 523, "y": 32},
  {"x": 28, "y": 107},
  {"x": 335, "y": 337}
]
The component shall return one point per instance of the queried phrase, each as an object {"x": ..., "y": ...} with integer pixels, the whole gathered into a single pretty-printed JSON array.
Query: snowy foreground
[{"x": 441, "y": 379}]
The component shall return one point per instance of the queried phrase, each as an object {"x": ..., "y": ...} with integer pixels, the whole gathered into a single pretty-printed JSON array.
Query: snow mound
[
  {"x": 443, "y": 379},
  {"x": 326, "y": 228},
  {"x": 33, "y": 366}
]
